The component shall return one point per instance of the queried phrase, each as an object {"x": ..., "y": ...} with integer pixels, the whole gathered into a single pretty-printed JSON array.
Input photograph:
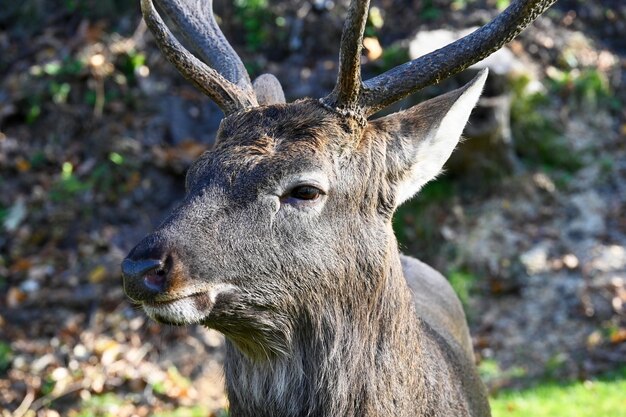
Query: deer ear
[
  {"x": 268, "y": 90},
  {"x": 421, "y": 139}
]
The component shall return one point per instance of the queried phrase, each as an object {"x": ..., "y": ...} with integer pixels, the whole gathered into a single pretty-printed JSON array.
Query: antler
[
  {"x": 399, "y": 82},
  {"x": 345, "y": 95},
  {"x": 225, "y": 81},
  {"x": 197, "y": 23}
]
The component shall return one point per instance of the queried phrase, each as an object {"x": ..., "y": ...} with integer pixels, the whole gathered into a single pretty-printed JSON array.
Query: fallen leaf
[
  {"x": 22, "y": 165},
  {"x": 618, "y": 336},
  {"x": 15, "y": 297},
  {"x": 98, "y": 274},
  {"x": 17, "y": 214}
]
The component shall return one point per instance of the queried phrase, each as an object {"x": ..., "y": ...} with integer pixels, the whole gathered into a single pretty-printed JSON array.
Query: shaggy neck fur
[{"x": 357, "y": 355}]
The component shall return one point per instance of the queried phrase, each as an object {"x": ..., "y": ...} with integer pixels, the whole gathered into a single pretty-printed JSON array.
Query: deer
[{"x": 284, "y": 241}]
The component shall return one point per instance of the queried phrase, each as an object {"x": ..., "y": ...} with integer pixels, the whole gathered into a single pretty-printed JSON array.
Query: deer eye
[
  {"x": 302, "y": 196},
  {"x": 305, "y": 192}
]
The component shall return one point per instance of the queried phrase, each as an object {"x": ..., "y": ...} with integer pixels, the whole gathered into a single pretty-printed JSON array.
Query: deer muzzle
[{"x": 147, "y": 271}]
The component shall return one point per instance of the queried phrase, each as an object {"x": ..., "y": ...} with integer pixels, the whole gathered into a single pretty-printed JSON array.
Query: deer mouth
[{"x": 188, "y": 309}]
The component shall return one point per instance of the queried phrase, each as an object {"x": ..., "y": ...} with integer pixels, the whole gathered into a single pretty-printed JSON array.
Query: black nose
[{"x": 146, "y": 270}]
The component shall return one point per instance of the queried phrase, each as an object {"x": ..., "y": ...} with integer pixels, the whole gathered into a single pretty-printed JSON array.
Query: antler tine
[
  {"x": 228, "y": 96},
  {"x": 408, "y": 78},
  {"x": 196, "y": 21},
  {"x": 345, "y": 95}
]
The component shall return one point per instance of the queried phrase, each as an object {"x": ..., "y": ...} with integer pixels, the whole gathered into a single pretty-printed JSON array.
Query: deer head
[{"x": 292, "y": 206}]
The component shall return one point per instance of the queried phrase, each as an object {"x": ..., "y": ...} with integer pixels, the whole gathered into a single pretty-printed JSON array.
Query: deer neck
[{"x": 344, "y": 355}]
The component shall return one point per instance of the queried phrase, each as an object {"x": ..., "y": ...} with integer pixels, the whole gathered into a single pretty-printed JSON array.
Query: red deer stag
[{"x": 284, "y": 241}]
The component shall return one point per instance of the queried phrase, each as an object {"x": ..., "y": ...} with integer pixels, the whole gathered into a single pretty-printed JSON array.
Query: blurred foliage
[
  {"x": 257, "y": 21},
  {"x": 111, "y": 177},
  {"x": 587, "y": 89},
  {"x": 6, "y": 356},
  {"x": 490, "y": 372},
  {"x": 538, "y": 139},
  {"x": 502, "y": 4},
  {"x": 430, "y": 10},
  {"x": 108, "y": 78},
  {"x": 463, "y": 283},
  {"x": 375, "y": 21},
  {"x": 26, "y": 16},
  {"x": 197, "y": 411},
  {"x": 391, "y": 57},
  {"x": 104, "y": 405}
]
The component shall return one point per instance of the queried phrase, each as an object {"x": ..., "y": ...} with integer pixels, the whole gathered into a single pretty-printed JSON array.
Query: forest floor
[{"x": 97, "y": 130}]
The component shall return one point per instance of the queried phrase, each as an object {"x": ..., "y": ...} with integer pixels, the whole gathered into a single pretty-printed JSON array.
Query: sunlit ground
[{"x": 604, "y": 397}]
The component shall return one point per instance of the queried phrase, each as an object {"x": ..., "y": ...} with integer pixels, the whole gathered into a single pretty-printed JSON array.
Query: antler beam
[
  {"x": 399, "y": 82},
  {"x": 196, "y": 21},
  {"x": 345, "y": 95},
  {"x": 229, "y": 96},
  {"x": 352, "y": 96}
]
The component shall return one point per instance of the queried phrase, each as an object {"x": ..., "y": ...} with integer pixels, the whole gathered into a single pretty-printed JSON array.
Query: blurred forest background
[{"x": 97, "y": 130}]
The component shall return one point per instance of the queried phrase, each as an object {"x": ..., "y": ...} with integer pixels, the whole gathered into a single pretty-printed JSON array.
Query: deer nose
[{"x": 146, "y": 271}]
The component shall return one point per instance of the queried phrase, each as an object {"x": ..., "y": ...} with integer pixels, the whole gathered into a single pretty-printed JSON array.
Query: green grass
[
  {"x": 187, "y": 412},
  {"x": 6, "y": 356},
  {"x": 605, "y": 397},
  {"x": 601, "y": 397},
  {"x": 108, "y": 405},
  {"x": 463, "y": 284}
]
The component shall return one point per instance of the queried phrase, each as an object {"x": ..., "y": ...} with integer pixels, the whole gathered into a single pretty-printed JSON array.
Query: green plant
[
  {"x": 105, "y": 405},
  {"x": 392, "y": 56},
  {"x": 375, "y": 21},
  {"x": 109, "y": 178},
  {"x": 197, "y": 411},
  {"x": 38, "y": 159},
  {"x": 6, "y": 356},
  {"x": 458, "y": 4},
  {"x": 59, "y": 92},
  {"x": 68, "y": 184},
  {"x": 588, "y": 89},
  {"x": 463, "y": 284},
  {"x": 430, "y": 11},
  {"x": 33, "y": 109},
  {"x": 490, "y": 372},
  {"x": 502, "y": 4},
  {"x": 131, "y": 62},
  {"x": 254, "y": 15},
  {"x": 538, "y": 138},
  {"x": 47, "y": 385}
]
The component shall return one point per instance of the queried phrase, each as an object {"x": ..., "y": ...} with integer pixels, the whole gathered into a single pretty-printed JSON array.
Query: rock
[
  {"x": 535, "y": 260},
  {"x": 608, "y": 258},
  {"x": 590, "y": 211},
  {"x": 15, "y": 217},
  {"x": 189, "y": 118},
  {"x": 491, "y": 248}
]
